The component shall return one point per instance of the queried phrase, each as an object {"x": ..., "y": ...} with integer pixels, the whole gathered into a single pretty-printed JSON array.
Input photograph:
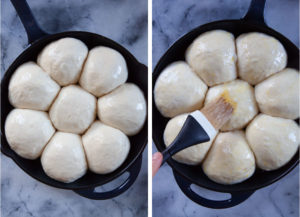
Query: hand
[{"x": 156, "y": 162}]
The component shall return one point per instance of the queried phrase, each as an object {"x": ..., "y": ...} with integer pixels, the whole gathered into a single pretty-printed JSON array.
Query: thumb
[{"x": 156, "y": 162}]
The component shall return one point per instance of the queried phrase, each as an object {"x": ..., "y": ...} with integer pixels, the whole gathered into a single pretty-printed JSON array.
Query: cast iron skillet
[
  {"x": 137, "y": 73},
  {"x": 187, "y": 175}
]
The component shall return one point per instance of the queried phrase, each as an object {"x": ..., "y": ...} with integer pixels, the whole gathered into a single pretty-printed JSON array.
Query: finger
[{"x": 156, "y": 162}]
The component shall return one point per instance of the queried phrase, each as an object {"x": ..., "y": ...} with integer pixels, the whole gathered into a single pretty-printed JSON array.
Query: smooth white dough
[
  {"x": 278, "y": 95},
  {"x": 28, "y": 131},
  {"x": 259, "y": 56},
  {"x": 192, "y": 155},
  {"x": 212, "y": 56},
  {"x": 273, "y": 140},
  {"x": 63, "y": 159},
  {"x": 124, "y": 108},
  {"x": 230, "y": 160},
  {"x": 241, "y": 93},
  {"x": 63, "y": 60},
  {"x": 31, "y": 88},
  {"x": 106, "y": 148},
  {"x": 178, "y": 90},
  {"x": 74, "y": 110},
  {"x": 104, "y": 70}
]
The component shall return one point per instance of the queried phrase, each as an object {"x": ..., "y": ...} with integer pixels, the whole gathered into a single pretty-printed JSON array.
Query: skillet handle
[
  {"x": 236, "y": 197},
  {"x": 255, "y": 12},
  {"x": 133, "y": 171},
  {"x": 33, "y": 30}
]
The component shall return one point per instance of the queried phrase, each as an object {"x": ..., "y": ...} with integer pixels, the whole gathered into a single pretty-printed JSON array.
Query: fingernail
[{"x": 155, "y": 156}]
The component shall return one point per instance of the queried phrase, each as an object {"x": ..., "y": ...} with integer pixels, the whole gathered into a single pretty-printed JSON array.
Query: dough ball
[
  {"x": 74, "y": 110},
  {"x": 63, "y": 60},
  {"x": 104, "y": 70},
  {"x": 273, "y": 140},
  {"x": 212, "y": 56},
  {"x": 278, "y": 95},
  {"x": 106, "y": 148},
  {"x": 241, "y": 93},
  {"x": 230, "y": 160},
  {"x": 178, "y": 90},
  {"x": 124, "y": 108},
  {"x": 192, "y": 155},
  {"x": 259, "y": 56},
  {"x": 63, "y": 158},
  {"x": 28, "y": 131},
  {"x": 31, "y": 88}
]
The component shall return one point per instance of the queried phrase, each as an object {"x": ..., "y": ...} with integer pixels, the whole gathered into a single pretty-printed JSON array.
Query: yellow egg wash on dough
[{"x": 225, "y": 95}]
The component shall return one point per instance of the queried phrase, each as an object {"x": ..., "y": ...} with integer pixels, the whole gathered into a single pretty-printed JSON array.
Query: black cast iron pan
[
  {"x": 137, "y": 73},
  {"x": 187, "y": 175}
]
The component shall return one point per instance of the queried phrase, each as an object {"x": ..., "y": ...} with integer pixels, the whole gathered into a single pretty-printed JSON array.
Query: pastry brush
[{"x": 202, "y": 126}]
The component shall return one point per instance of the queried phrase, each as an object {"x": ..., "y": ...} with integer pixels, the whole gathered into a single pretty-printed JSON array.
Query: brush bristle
[{"x": 219, "y": 111}]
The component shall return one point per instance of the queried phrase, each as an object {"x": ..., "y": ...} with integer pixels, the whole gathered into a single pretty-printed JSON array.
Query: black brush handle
[
  {"x": 33, "y": 30},
  {"x": 133, "y": 171},
  {"x": 190, "y": 134},
  {"x": 255, "y": 12}
]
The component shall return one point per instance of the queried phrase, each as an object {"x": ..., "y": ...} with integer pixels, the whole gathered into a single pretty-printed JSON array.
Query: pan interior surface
[
  {"x": 136, "y": 74},
  {"x": 176, "y": 52}
]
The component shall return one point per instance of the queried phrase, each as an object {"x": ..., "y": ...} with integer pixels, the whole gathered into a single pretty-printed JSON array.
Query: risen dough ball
[
  {"x": 230, "y": 159},
  {"x": 63, "y": 60},
  {"x": 63, "y": 158},
  {"x": 192, "y": 155},
  {"x": 28, "y": 131},
  {"x": 74, "y": 110},
  {"x": 278, "y": 95},
  {"x": 178, "y": 90},
  {"x": 273, "y": 140},
  {"x": 106, "y": 148},
  {"x": 212, "y": 56},
  {"x": 124, "y": 108},
  {"x": 104, "y": 70},
  {"x": 31, "y": 88},
  {"x": 241, "y": 93},
  {"x": 259, "y": 56}
]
